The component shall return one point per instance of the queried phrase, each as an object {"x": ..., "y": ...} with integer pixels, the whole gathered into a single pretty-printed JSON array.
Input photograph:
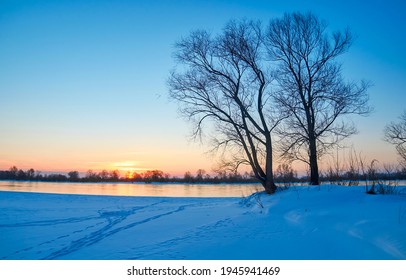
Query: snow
[{"x": 327, "y": 222}]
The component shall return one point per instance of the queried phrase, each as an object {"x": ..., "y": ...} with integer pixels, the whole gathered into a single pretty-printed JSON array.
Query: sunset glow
[
  {"x": 124, "y": 166},
  {"x": 83, "y": 84}
]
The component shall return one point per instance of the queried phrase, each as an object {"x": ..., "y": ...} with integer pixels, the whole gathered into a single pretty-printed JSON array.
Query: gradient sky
[{"x": 83, "y": 83}]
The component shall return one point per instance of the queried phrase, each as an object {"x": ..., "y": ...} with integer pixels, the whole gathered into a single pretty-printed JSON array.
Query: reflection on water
[{"x": 125, "y": 189}]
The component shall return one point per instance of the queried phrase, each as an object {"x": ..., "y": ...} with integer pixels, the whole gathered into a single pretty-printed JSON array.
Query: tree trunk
[
  {"x": 314, "y": 168},
  {"x": 269, "y": 183},
  {"x": 269, "y": 186}
]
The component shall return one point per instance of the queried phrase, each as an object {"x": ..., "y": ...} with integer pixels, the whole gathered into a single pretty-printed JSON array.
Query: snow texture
[{"x": 327, "y": 222}]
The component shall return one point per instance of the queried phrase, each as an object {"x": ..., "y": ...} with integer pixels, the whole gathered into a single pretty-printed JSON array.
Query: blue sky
[{"x": 83, "y": 83}]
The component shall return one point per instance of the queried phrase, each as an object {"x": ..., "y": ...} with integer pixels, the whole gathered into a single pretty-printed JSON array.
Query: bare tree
[
  {"x": 73, "y": 175},
  {"x": 223, "y": 81},
  {"x": 311, "y": 89},
  {"x": 395, "y": 133}
]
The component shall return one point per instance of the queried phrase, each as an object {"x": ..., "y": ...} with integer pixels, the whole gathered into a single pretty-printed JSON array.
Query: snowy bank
[{"x": 330, "y": 222}]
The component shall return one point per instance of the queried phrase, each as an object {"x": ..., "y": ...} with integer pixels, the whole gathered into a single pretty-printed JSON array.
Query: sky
[{"x": 83, "y": 84}]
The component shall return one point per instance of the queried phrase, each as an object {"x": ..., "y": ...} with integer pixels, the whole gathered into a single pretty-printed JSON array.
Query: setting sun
[
  {"x": 129, "y": 175},
  {"x": 127, "y": 168}
]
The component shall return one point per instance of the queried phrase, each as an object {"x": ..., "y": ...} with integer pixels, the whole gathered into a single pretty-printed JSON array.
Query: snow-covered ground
[{"x": 329, "y": 222}]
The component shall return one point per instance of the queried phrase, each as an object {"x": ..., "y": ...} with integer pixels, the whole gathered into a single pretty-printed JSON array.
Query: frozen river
[{"x": 128, "y": 189}]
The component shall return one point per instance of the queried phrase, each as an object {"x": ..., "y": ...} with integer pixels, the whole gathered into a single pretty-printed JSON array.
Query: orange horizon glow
[
  {"x": 174, "y": 162},
  {"x": 126, "y": 168}
]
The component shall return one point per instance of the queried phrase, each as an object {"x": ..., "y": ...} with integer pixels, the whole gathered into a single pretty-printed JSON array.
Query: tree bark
[
  {"x": 314, "y": 168},
  {"x": 269, "y": 185}
]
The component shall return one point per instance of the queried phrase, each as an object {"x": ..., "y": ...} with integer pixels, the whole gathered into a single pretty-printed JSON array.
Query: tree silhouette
[
  {"x": 73, "y": 175},
  {"x": 395, "y": 133},
  {"x": 13, "y": 172},
  {"x": 310, "y": 87},
  {"x": 223, "y": 80}
]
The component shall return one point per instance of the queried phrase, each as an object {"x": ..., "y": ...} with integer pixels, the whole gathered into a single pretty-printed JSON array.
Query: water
[{"x": 126, "y": 189}]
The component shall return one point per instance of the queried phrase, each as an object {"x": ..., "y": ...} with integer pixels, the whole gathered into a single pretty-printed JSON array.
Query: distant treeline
[
  {"x": 284, "y": 174},
  {"x": 115, "y": 176}
]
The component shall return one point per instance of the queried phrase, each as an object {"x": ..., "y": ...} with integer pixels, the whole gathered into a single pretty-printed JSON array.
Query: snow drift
[{"x": 327, "y": 222}]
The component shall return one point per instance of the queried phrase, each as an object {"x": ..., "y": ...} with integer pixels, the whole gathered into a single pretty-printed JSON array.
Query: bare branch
[
  {"x": 395, "y": 133},
  {"x": 222, "y": 82},
  {"x": 311, "y": 88}
]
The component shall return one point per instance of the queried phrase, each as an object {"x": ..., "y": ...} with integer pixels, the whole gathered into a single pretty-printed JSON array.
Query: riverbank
[{"x": 330, "y": 222}]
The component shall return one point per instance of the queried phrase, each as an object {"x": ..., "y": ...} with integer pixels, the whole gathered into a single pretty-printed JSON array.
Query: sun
[
  {"x": 129, "y": 175},
  {"x": 127, "y": 168}
]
